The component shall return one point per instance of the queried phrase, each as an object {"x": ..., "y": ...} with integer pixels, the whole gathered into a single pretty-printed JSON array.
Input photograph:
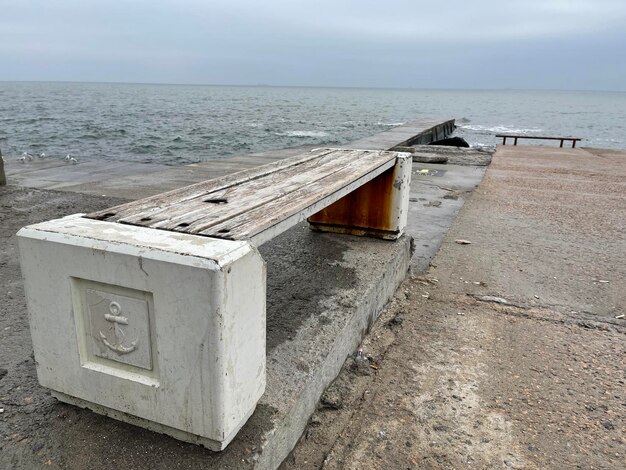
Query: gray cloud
[{"x": 401, "y": 43}]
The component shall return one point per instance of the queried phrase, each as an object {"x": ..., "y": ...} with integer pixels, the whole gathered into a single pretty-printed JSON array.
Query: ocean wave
[
  {"x": 390, "y": 124},
  {"x": 26, "y": 121},
  {"x": 499, "y": 129},
  {"x": 302, "y": 133},
  {"x": 95, "y": 133},
  {"x": 144, "y": 148}
]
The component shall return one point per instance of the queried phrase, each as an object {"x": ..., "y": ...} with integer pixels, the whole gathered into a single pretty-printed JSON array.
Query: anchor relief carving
[{"x": 115, "y": 316}]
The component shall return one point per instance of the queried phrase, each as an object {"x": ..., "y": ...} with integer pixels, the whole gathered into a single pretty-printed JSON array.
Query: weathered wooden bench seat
[
  {"x": 260, "y": 203},
  {"x": 153, "y": 312}
]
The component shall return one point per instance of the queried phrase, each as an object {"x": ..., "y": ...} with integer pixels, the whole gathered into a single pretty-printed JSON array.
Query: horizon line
[{"x": 264, "y": 85}]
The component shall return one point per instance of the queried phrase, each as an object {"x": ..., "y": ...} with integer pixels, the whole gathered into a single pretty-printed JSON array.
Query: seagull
[
  {"x": 73, "y": 161},
  {"x": 27, "y": 156},
  {"x": 42, "y": 155},
  {"x": 68, "y": 157}
]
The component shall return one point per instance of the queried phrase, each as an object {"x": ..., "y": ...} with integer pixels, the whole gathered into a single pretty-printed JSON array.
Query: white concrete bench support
[
  {"x": 153, "y": 312},
  {"x": 160, "y": 329}
]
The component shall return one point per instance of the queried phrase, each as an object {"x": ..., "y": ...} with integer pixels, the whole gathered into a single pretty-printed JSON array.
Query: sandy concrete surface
[
  {"x": 448, "y": 378},
  {"x": 509, "y": 352},
  {"x": 323, "y": 292},
  {"x": 438, "y": 192}
]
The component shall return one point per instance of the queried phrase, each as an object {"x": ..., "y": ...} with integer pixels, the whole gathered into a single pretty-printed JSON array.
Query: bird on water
[{"x": 26, "y": 157}]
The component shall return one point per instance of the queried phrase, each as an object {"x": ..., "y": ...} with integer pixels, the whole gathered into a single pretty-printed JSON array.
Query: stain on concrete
[{"x": 303, "y": 268}]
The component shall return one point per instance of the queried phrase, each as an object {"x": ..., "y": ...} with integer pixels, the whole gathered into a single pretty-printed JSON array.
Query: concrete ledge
[
  {"x": 300, "y": 370},
  {"x": 439, "y": 131},
  {"x": 148, "y": 424},
  {"x": 413, "y": 133},
  {"x": 476, "y": 156},
  {"x": 323, "y": 293}
]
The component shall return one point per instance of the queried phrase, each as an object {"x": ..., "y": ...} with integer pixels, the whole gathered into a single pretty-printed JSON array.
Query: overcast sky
[{"x": 554, "y": 44}]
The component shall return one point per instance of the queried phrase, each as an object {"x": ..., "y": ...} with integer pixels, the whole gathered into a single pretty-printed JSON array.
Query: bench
[
  {"x": 153, "y": 312},
  {"x": 515, "y": 137}
]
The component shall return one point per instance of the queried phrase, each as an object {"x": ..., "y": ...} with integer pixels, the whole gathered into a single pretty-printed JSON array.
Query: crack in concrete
[{"x": 603, "y": 324}]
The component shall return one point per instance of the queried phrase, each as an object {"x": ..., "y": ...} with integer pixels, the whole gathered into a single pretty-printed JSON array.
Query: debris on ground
[
  {"x": 430, "y": 158},
  {"x": 492, "y": 298},
  {"x": 433, "y": 204}
]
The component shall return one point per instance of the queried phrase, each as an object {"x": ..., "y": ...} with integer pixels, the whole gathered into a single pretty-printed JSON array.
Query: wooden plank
[
  {"x": 273, "y": 227},
  {"x": 257, "y": 204},
  {"x": 197, "y": 190},
  {"x": 236, "y": 199},
  {"x": 264, "y": 223}
]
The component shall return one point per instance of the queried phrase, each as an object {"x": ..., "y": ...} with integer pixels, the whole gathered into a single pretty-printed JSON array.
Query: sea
[{"x": 183, "y": 124}]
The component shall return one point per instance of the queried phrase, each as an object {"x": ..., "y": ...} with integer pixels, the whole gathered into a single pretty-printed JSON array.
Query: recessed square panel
[
  {"x": 115, "y": 324},
  {"x": 120, "y": 327}
]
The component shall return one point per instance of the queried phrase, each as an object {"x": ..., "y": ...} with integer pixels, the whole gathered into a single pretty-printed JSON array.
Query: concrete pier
[
  {"x": 406, "y": 135},
  {"x": 324, "y": 292}
]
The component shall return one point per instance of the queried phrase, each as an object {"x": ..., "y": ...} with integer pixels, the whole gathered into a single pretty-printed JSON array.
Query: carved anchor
[{"x": 117, "y": 319}]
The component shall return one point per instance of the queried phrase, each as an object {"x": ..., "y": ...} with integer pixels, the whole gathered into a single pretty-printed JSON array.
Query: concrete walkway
[{"x": 509, "y": 351}]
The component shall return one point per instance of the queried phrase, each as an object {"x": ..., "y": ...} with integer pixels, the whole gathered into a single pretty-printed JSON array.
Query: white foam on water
[
  {"x": 303, "y": 133},
  {"x": 390, "y": 124},
  {"x": 500, "y": 129}
]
